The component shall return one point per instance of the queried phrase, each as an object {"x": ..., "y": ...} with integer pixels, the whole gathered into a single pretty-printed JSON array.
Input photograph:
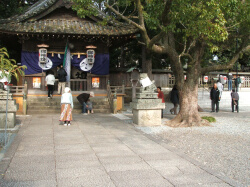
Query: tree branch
[
  {"x": 230, "y": 63},
  {"x": 165, "y": 18},
  {"x": 156, "y": 38},
  {"x": 140, "y": 13},
  {"x": 125, "y": 18}
]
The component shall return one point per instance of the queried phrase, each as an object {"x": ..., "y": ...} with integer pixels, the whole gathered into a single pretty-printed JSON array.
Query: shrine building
[{"x": 51, "y": 33}]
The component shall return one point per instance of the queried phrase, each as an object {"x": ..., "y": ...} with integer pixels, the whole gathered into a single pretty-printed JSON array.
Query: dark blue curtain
[{"x": 30, "y": 59}]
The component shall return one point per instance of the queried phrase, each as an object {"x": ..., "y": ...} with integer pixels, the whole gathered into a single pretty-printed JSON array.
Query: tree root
[{"x": 193, "y": 122}]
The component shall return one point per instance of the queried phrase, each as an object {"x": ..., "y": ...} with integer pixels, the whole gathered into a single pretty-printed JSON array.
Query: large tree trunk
[
  {"x": 188, "y": 90},
  {"x": 188, "y": 115},
  {"x": 146, "y": 62}
]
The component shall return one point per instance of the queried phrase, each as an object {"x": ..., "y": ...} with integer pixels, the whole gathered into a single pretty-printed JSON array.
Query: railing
[
  {"x": 78, "y": 84},
  {"x": 112, "y": 92},
  {"x": 75, "y": 84},
  {"x": 19, "y": 89}
]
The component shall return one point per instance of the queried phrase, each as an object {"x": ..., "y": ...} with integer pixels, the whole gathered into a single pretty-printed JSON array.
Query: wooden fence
[{"x": 165, "y": 80}]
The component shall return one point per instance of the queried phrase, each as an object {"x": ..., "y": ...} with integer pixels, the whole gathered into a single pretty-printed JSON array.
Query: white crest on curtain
[
  {"x": 47, "y": 65},
  {"x": 85, "y": 66}
]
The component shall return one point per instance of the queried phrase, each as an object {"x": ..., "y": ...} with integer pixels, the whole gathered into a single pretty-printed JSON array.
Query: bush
[{"x": 209, "y": 118}]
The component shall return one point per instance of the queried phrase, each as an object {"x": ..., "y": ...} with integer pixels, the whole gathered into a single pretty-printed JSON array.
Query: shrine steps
[{"x": 44, "y": 105}]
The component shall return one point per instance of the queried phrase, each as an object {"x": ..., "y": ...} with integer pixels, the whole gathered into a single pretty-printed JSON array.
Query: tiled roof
[
  {"x": 65, "y": 27},
  {"x": 28, "y": 24}
]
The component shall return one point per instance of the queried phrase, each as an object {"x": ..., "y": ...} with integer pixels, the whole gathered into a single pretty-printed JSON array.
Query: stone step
[
  {"x": 48, "y": 107},
  {"x": 52, "y": 103},
  {"x": 44, "y": 98},
  {"x": 56, "y": 111},
  {"x": 43, "y": 104}
]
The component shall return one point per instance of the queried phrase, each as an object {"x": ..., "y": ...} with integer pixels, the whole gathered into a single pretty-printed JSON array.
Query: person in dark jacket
[
  {"x": 235, "y": 100},
  {"x": 61, "y": 75},
  {"x": 83, "y": 98},
  {"x": 237, "y": 83},
  {"x": 174, "y": 98},
  {"x": 215, "y": 97},
  {"x": 230, "y": 78}
]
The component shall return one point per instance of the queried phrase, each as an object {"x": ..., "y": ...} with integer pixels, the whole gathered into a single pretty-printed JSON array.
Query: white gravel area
[{"x": 224, "y": 147}]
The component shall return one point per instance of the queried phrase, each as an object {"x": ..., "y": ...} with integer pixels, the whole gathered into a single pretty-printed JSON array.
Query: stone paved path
[{"x": 96, "y": 150}]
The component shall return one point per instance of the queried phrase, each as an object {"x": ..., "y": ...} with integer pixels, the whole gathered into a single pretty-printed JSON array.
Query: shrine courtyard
[{"x": 98, "y": 150}]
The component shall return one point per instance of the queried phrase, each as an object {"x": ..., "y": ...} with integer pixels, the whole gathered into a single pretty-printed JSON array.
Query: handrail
[{"x": 17, "y": 89}]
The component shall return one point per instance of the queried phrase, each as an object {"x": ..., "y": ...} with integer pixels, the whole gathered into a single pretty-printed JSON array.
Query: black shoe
[{"x": 212, "y": 111}]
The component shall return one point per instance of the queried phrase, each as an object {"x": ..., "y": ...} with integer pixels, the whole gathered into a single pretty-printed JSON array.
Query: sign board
[
  {"x": 91, "y": 56},
  {"x": 205, "y": 79},
  {"x": 36, "y": 82},
  {"x": 223, "y": 79},
  {"x": 242, "y": 79},
  {"x": 95, "y": 82},
  {"x": 42, "y": 55},
  {"x": 185, "y": 77}
]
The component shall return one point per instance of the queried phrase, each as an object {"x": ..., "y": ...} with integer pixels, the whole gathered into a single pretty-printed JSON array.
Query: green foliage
[
  {"x": 83, "y": 8},
  {"x": 210, "y": 21},
  {"x": 9, "y": 8},
  {"x": 210, "y": 119},
  {"x": 8, "y": 66}
]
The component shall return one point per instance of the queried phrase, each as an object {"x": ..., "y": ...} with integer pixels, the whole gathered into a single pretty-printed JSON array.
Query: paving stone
[
  {"x": 69, "y": 142},
  {"x": 151, "y": 182},
  {"x": 159, "y": 156},
  {"x": 78, "y": 172},
  {"x": 75, "y": 146},
  {"x": 70, "y": 157},
  {"x": 33, "y": 159},
  {"x": 78, "y": 163},
  {"x": 134, "y": 174},
  {"x": 194, "y": 179},
  {"x": 38, "y": 183},
  {"x": 206, "y": 185},
  {"x": 104, "y": 144},
  {"x": 74, "y": 151},
  {"x": 35, "y": 166},
  {"x": 30, "y": 175},
  {"x": 111, "y": 148},
  {"x": 34, "y": 152},
  {"x": 168, "y": 163},
  {"x": 126, "y": 166},
  {"x": 120, "y": 160},
  {"x": 116, "y": 153},
  {"x": 98, "y": 141},
  {"x": 86, "y": 181}
]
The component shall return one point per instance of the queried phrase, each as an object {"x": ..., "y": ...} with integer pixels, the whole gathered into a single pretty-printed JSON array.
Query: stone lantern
[{"x": 146, "y": 106}]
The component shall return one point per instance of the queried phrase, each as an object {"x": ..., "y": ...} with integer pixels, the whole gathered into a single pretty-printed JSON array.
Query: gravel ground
[{"x": 224, "y": 147}]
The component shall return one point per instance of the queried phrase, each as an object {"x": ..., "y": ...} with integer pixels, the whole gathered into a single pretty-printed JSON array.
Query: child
[{"x": 89, "y": 106}]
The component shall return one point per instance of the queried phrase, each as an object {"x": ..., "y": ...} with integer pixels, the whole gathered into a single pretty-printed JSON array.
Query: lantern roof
[{"x": 57, "y": 17}]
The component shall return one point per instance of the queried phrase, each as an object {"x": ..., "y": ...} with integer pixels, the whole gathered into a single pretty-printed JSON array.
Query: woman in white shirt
[
  {"x": 50, "y": 81},
  {"x": 66, "y": 107}
]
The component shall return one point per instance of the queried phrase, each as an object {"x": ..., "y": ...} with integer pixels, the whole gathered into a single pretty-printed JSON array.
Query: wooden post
[
  {"x": 25, "y": 93},
  {"x": 123, "y": 87},
  {"x": 26, "y": 88}
]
